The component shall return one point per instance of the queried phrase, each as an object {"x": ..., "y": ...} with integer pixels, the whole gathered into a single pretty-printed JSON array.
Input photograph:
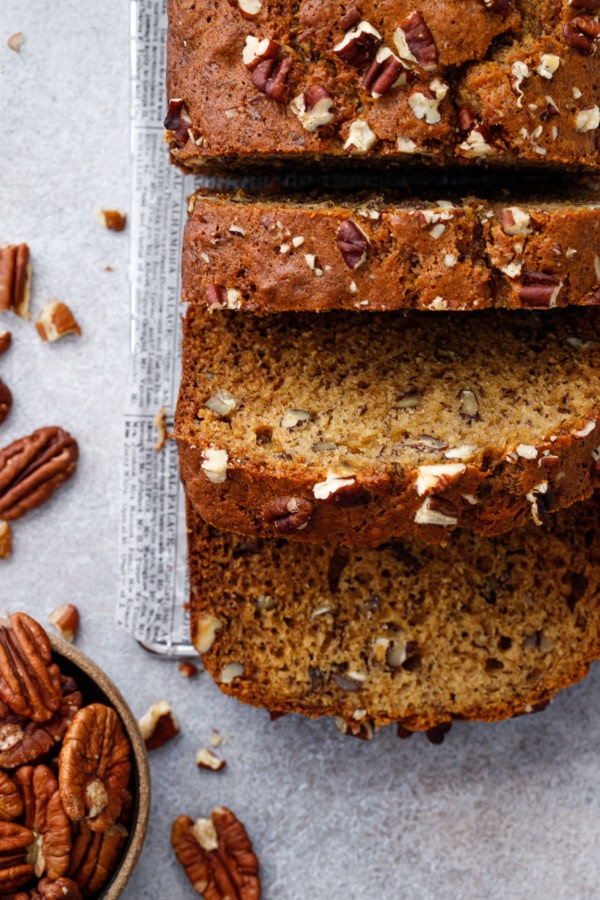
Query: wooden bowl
[{"x": 96, "y": 687}]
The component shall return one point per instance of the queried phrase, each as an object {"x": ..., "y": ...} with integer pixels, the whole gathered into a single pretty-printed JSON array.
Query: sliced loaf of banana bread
[
  {"x": 484, "y": 628},
  {"x": 361, "y": 428},
  {"x": 268, "y": 254}
]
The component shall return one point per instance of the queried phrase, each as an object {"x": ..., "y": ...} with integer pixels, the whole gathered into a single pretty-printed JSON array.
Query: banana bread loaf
[
  {"x": 484, "y": 628},
  {"x": 361, "y": 428},
  {"x": 442, "y": 81},
  {"x": 272, "y": 254}
]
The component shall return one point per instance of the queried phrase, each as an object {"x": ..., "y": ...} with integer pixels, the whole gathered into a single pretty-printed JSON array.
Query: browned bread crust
[
  {"x": 441, "y": 81},
  {"x": 276, "y": 254},
  {"x": 361, "y": 428},
  {"x": 410, "y": 633}
]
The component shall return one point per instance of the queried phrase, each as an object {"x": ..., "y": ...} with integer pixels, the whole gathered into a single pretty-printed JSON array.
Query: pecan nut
[
  {"x": 352, "y": 243},
  {"x": 539, "y": 290},
  {"x": 46, "y": 818},
  {"x": 15, "y": 278},
  {"x": 5, "y": 401},
  {"x": 33, "y": 467},
  {"x": 5, "y": 341},
  {"x": 29, "y": 681},
  {"x": 271, "y": 75},
  {"x": 61, "y": 889},
  {"x": 497, "y": 6},
  {"x": 11, "y": 804},
  {"x": 23, "y": 741},
  {"x": 288, "y": 514},
  {"x": 94, "y": 856},
  {"x": 217, "y": 856},
  {"x": 15, "y": 841},
  {"x": 582, "y": 34},
  {"x": 415, "y": 42},
  {"x": 94, "y": 767},
  {"x": 178, "y": 123}
]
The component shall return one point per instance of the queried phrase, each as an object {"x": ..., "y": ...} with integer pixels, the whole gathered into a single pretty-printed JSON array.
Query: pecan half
[
  {"x": 15, "y": 278},
  {"x": 94, "y": 767},
  {"x": 288, "y": 514},
  {"x": 582, "y": 33},
  {"x": 15, "y": 841},
  {"x": 23, "y": 741},
  {"x": 11, "y": 804},
  {"x": 29, "y": 680},
  {"x": 217, "y": 856},
  {"x": 45, "y": 816},
  {"x": 5, "y": 401},
  {"x": 33, "y": 467},
  {"x": 94, "y": 856},
  {"x": 352, "y": 243}
]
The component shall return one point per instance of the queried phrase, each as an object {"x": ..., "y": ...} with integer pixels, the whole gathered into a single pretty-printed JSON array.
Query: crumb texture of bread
[
  {"x": 483, "y": 628},
  {"x": 362, "y": 428},
  {"x": 271, "y": 255},
  {"x": 441, "y": 81}
]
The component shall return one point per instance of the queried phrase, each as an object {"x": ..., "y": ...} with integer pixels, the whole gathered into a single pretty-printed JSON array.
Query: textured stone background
[{"x": 503, "y": 811}]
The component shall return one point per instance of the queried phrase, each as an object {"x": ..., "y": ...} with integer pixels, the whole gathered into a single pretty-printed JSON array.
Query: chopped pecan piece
[
  {"x": 29, "y": 680},
  {"x": 358, "y": 47},
  {"x": 582, "y": 34},
  {"x": 5, "y": 401},
  {"x": 217, "y": 856},
  {"x": 95, "y": 856},
  {"x": 270, "y": 76},
  {"x": 384, "y": 72},
  {"x": 112, "y": 219},
  {"x": 65, "y": 619},
  {"x": 415, "y": 42},
  {"x": 5, "y": 341},
  {"x": 23, "y": 741},
  {"x": 5, "y": 541},
  {"x": 33, "y": 467},
  {"x": 45, "y": 816},
  {"x": 497, "y": 6},
  {"x": 288, "y": 514},
  {"x": 11, "y": 804},
  {"x": 15, "y": 278},
  {"x": 15, "y": 841},
  {"x": 61, "y": 889},
  {"x": 15, "y": 41},
  {"x": 539, "y": 290},
  {"x": 94, "y": 767},
  {"x": 178, "y": 123},
  {"x": 55, "y": 321},
  {"x": 352, "y": 243},
  {"x": 158, "y": 726}
]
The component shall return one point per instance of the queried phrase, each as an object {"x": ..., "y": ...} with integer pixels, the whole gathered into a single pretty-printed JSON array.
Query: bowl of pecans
[{"x": 74, "y": 777}]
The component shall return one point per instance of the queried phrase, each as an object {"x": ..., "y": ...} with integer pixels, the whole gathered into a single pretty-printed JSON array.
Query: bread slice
[
  {"x": 361, "y": 428},
  {"x": 254, "y": 82},
  {"x": 484, "y": 628},
  {"x": 269, "y": 254}
]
